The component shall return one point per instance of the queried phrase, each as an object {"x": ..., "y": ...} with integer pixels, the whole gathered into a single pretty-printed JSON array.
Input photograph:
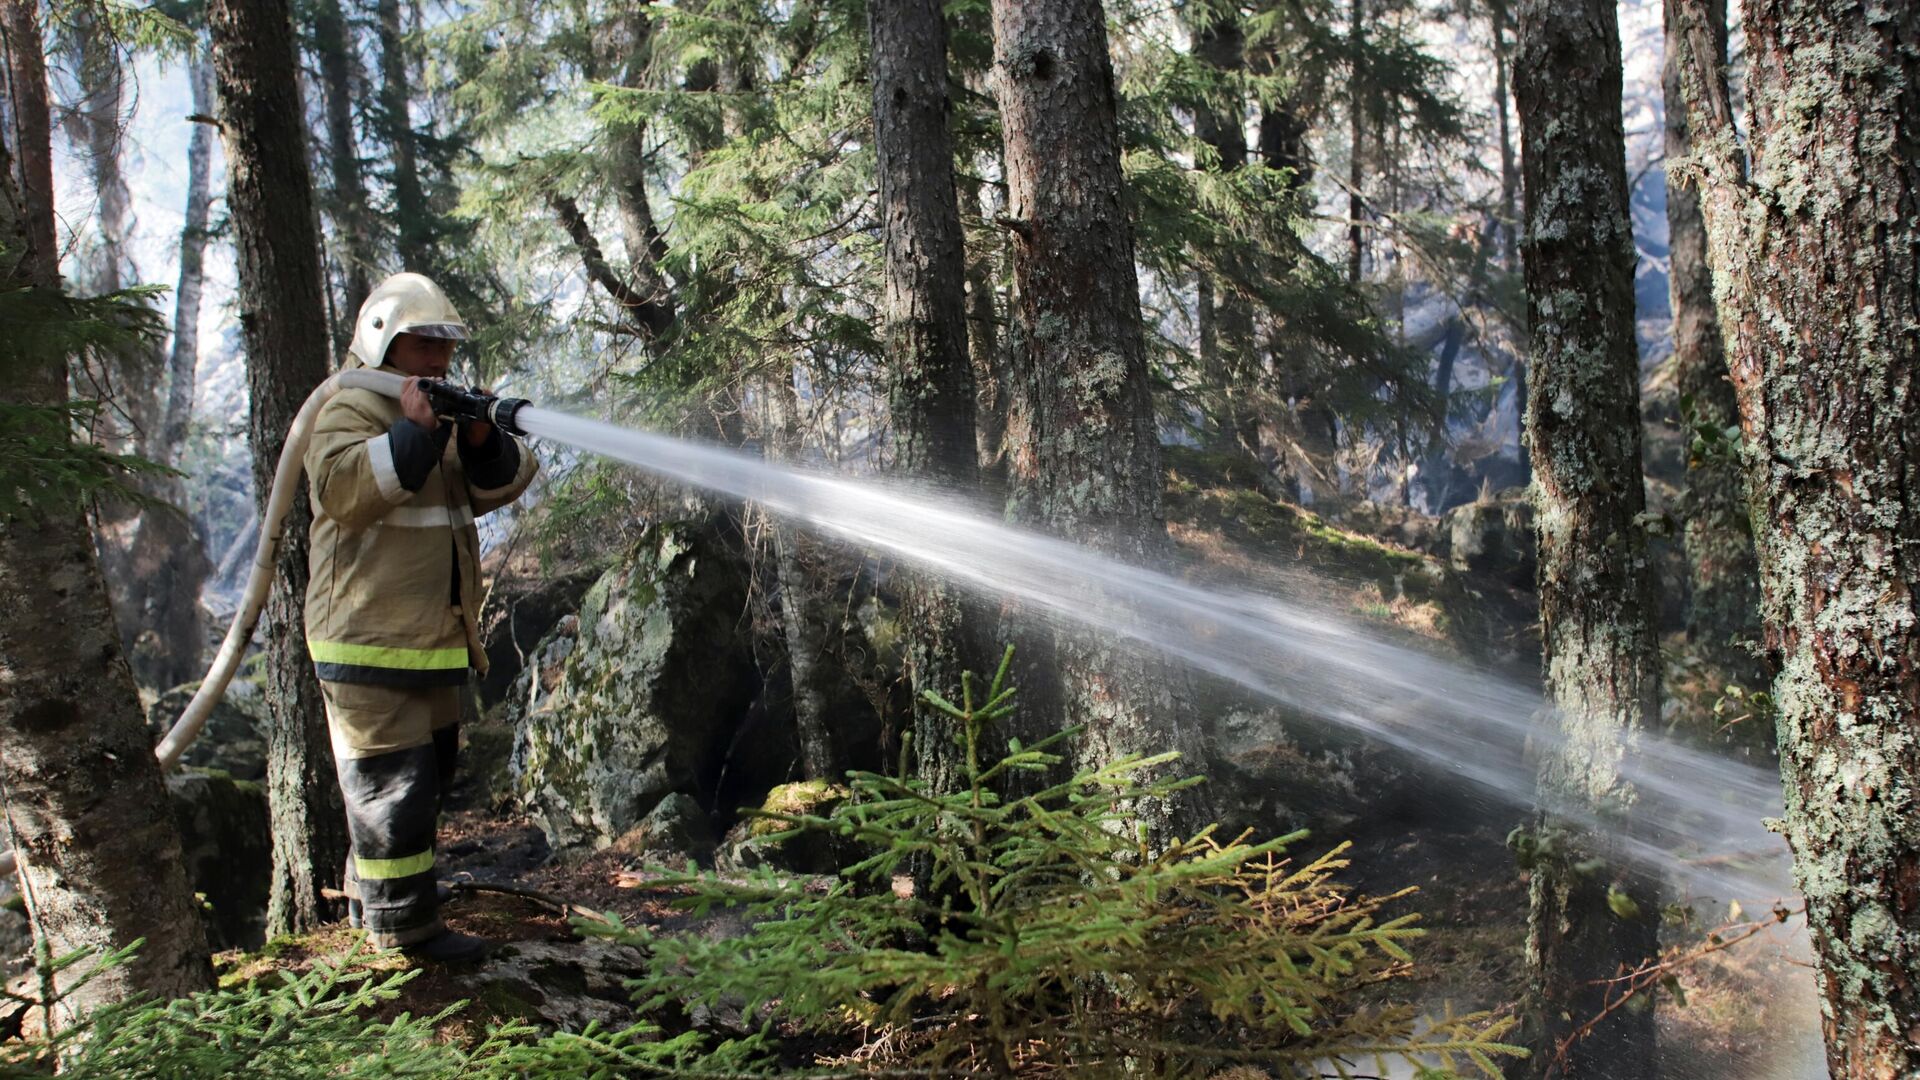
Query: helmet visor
[{"x": 444, "y": 331}]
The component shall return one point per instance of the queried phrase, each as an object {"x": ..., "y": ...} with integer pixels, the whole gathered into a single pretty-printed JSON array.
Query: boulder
[
  {"x": 557, "y": 985},
  {"x": 643, "y": 700},
  {"x": 676, "y": 829},
  {"x": 752, "y": 842},
  {"x": 1493, "y": 537},
  {"x": 234, "y": 740},
  {"x": 228, "y": 849}
]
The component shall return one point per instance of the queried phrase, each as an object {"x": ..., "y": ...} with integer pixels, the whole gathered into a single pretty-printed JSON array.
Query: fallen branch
[{"x": 1654, "y": 972}]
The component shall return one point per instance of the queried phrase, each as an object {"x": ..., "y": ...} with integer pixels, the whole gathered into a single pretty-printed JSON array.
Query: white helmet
[{"x": 405, "y": 303}]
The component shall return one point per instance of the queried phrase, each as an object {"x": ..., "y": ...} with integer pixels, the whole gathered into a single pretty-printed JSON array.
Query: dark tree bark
[
  {"x": 1815, "y": 243},
  {"x": 348, "y": 200},
  {"x": 183, "y": 360},
  {"x": 1225, "y": 316},
  {"x": 158, "y": 578},
  {"x": 646, "y": 247},
  {"x": 1583, "y": 429},
  {"x": 283, "y": 319},
  {"x": 414, "y": 229},
  {"x": 1724, "y": 572},
  {"x": 1089, "y": 463},
  {"x": 932, "y": 392},
  {"x": 1356, "y": 141},
  {"x": 1501, "y": 18},
  {"x": 803, "y": 623},
  {"x": 87, "y": 814}
]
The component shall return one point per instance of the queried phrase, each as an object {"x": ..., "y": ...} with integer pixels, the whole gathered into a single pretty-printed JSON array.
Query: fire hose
[{"x": 449, "y": 401}]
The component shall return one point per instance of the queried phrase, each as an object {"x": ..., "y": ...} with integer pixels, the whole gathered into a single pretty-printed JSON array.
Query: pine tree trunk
[
  {"x": 1583, "y": 430},
  {"x": 1818, "y": 290},
  {"x": 161, "y": 573},
  {"x": 1721, "y": 566},
  {"x": 1226, "y": 317},
  {"x": 396, "y": 126},
  {"x": 87, "y": 813},
  {"x": 1356, "y": 141},
  {"x": 646, "y": 247},
  {"x": 932, "y": 393},
  {"x": 803, "y": 624},
  {"x": 283, "y": 318},
  {"x": 1088, "y": 466},
  {"x": 183, "y": 361},
  {"x": 352, "y": 221}
]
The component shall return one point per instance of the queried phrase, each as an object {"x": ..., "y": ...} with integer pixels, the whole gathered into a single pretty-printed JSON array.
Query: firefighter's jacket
[{"x": 394, "y": 597}]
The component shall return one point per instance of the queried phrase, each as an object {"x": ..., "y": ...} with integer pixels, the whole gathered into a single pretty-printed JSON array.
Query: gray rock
[
  {"x": 228, "y": 846},
  {"x": 643, "y": 700},
  {"x": 559, "y": 985},
  {"x": 234, "y": 739},
  {"x": 678, "y": 827},
  {"x": 1493, "y": 537}
]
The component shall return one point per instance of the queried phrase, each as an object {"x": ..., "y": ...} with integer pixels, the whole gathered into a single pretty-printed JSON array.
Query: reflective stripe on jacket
[{"x": 394, "y": 597}]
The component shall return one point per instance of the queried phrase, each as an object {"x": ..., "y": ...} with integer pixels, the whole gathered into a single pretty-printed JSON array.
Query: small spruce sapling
[{"x": 1052, "y": 939}]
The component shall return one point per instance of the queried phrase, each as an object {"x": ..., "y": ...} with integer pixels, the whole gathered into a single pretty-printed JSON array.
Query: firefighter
[{"x": 393, "y": 604}]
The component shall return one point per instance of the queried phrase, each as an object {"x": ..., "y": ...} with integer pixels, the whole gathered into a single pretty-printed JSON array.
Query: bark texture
[
  {"x": 1815, "y": 244},
  {"x": 86, "y": 810},
  {"x": 1085, "y": 456},
  {"x": 396, "y": 126},
  {"x": 1724, "y": 609},
  {"x": 283, "y": 319},
  {"x": 932, "y": 391},
  {"x": 1225, "y": 315},
  {"x": 333, "y": 45},
  {"x": 183, "y": 360},
  {"x": 1583, "y": 431},
  {"x": 803, "y": 623}
]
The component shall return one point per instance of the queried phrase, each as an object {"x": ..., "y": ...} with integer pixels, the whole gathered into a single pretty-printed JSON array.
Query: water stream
[{"x": 1701, "y": 814}]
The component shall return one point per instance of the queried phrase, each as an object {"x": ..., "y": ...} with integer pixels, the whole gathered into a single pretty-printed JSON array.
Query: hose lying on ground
[{"x": 286, "y": 483}]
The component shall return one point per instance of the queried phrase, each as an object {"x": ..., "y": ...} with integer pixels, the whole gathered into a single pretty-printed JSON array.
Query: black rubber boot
[
  {"x": 450, "y": 947},
  {"x": 355, "y": 919}
]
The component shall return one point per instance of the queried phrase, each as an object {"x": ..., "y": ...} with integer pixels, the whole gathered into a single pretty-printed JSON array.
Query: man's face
[{"x": 412, "y": 354}]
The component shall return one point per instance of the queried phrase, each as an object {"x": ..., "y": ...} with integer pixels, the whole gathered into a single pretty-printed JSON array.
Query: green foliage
[
  {"x": 1045, "y": 935},
  {"x": 322, "y": 1023},
  {"x": 45, "y": 464}
]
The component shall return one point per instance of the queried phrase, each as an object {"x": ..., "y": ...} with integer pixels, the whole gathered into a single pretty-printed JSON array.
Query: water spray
[{"x": 1701, "y": 817}]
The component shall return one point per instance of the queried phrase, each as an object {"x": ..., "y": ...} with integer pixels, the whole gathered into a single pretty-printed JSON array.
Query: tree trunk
[
  {"x": 1724, "y": 572},
  {"x": 1356, "y": 140},
  {"x": 1502, "y": 98},
  {"x": 802, "y": 622},
  {"x": 931, "y": 392},
  {"x": 1583, "y": 430},
  {"x": 87, "y": 813},
  {"x": 352, "y": 222},
  {"x": 183, "y": 361},
  {"x": 409, "y": 198},
  {"x": 1818, "y": 291},
  {"x": 283, "y": 318},
  {"x": 1225, "y": 315},
  {"x": 1089, "y": 465},
  {"x": 164, "y": 568}
]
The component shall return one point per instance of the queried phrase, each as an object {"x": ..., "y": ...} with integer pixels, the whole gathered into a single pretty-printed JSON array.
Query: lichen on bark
[
  {"x": 1583, "y": 433},
  {"x": 1815, "y": 243}
]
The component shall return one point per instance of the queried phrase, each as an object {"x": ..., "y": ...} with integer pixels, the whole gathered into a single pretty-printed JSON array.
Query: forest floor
[{"x": 1735, "y": 1023}]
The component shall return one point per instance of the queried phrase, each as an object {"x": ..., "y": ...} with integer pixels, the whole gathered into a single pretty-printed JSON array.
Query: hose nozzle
[{"x": 460, "y": 403}]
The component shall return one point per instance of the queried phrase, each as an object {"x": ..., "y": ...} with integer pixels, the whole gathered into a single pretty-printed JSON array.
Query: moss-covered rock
[
  {"x": 756, "y": 840},
  {"x": 644, "y": 699}
]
